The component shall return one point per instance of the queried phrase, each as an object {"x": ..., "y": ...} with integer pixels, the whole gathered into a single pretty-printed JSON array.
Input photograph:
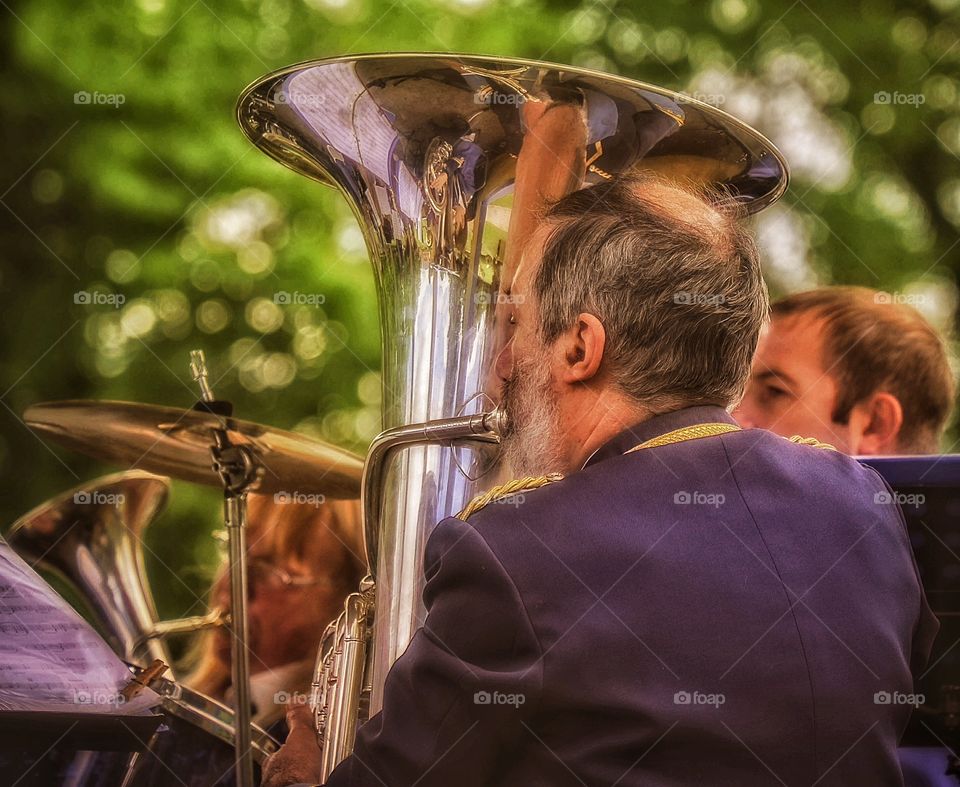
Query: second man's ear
[{"x": 880, "y": 418}]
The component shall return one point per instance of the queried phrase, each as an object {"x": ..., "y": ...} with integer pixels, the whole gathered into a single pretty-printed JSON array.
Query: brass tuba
[
  {"x": 446, "y": 160},
  {"x": 91, "y": 537}
]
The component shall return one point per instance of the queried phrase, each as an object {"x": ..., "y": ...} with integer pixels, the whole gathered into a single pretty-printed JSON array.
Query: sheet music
[{"x": 51, "y": 659}]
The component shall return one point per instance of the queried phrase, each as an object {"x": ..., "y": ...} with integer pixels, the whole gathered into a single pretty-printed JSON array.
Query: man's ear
[
  {"x": 582, "y": 347},
  {"x": 881, "y": 416}
]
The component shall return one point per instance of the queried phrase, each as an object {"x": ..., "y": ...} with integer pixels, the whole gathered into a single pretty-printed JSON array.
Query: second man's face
[{"x": 791, "y": 391}]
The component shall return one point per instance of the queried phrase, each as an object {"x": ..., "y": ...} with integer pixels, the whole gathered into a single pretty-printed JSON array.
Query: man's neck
[{"x": 591, "y": 422}]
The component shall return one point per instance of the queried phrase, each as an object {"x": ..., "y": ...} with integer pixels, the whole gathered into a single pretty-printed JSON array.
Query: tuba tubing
[
  {"x": 342, "y": 669},
  {"x": 480, "y": 428}
]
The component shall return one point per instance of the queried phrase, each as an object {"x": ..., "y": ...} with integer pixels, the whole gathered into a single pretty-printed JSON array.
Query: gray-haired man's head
[{"x": 636, "y": 296}]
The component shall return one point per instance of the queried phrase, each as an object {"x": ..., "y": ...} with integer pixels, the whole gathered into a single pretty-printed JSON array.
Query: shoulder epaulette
[
  {"x": 811, "y": 441},
  {"x": 506, "y": 490}
]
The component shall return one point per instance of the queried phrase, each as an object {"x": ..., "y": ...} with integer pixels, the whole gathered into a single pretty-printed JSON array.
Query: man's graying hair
[{"x": 676, "y": 284}]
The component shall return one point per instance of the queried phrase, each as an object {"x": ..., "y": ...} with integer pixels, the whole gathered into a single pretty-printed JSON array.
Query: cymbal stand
[{"x": 237, "y": 468}]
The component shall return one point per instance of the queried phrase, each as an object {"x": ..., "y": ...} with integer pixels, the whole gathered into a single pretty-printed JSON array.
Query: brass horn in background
[{"x": 91, "y": 538}]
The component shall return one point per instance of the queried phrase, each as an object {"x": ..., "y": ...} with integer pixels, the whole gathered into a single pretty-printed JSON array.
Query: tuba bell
[
  {"x": 436, "y": 155},
  {"x": 90, "y": 537}
]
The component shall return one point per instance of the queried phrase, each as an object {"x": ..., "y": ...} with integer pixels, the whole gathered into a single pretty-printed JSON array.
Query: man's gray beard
[{"x": 531, "y": 444}]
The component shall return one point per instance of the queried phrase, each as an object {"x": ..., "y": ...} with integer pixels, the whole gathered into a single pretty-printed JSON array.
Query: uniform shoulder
[
  {"x": 801, "y": 461},
  {"x": 797, "y": 445},
  {"x": 811, "y": 441},
  {"x": 504, "y": 492}
]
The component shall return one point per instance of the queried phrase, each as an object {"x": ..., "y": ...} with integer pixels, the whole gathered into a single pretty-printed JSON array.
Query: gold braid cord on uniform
[
  {"x": 505, "y": 490},
  {"x": 535, "y": 482},
  {"x": 686, "y": 433},
  {"x": 811, "y": 441},
  {"x": 681, "y": 435}
]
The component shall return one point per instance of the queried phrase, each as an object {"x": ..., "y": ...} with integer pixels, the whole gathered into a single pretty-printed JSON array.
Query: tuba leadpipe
[
  {"x": 479, "y": 428},
  {"x": 343, "y": 654}
]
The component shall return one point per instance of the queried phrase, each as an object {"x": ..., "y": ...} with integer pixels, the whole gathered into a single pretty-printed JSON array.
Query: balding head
[
  {"x": 672, "y": 276},
  {"x": 684, "y": 207}
]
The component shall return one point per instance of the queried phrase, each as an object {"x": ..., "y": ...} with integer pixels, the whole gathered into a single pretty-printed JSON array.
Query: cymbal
[{"x": 173, "y": 442}]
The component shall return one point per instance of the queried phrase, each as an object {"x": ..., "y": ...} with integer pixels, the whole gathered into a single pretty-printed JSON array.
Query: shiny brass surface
[
  {"x": 210, "y": 716},
  {"x": 379, "y": 112},
  {"x": 91, "y": 537}
]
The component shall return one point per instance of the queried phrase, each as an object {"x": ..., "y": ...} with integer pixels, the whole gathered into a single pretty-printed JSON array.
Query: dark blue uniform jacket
[{"x": 732, "y": 610}]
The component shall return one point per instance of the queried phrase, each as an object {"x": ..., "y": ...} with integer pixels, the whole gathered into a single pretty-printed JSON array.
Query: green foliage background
[{"x": 161, "y": 199}]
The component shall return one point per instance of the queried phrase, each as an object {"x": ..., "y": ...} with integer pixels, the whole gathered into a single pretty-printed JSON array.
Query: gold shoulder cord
[
  {"x": 681, "y": 435},
  {"x": 685, "y": 433},
  {"x": 535, "y": 482},
  {"x": 811, "y": 441},
  {"x": 505, "y": 490}
]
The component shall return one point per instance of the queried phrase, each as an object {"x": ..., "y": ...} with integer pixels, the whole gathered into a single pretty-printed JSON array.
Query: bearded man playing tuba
[{"x": 667, "y": 599}]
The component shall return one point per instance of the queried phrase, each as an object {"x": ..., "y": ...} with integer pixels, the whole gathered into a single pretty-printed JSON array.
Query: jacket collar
[{"x": 656, "y": 426}]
